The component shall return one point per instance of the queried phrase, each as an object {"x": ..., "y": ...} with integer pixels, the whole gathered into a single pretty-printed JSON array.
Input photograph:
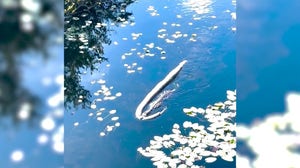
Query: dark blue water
[
  {"x": 24, "y": 137},
  {"x": 268, "y": 62},
  {"x": 204, "y": 79}
]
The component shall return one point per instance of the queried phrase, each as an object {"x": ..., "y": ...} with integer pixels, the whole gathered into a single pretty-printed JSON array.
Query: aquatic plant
[
  {"x": 182, "y": 148},
  {"x": 102, "y": 116},
  {"x": 87, "y": 28},
  {"x": 276, "y": 137},
  {"x": 49, "y": 137},
  {"x": 108, "y": 118}
]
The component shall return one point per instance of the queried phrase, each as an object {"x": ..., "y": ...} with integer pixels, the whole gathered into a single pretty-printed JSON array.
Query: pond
[
  {"x": 142, "y": 53},
  {"x": 268, "y": 89},
  {"x": 31, "y": 84},
  {"x": 36, "y": 140}
]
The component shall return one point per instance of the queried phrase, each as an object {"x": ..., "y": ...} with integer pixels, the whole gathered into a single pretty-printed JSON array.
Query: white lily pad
[{"x": 210, "y": 159}]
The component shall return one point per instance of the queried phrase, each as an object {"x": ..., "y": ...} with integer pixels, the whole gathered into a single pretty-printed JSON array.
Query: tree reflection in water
[
  {"x": 86, "y": 31},
  {"x": 23, "y": 27}
]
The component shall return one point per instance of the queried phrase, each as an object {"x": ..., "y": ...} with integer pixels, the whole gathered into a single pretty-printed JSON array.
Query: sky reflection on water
[{"x": 141, "y": 54}]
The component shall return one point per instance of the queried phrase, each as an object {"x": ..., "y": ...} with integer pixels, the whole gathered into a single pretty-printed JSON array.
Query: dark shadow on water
[
  {"x": 218, "y": 163},
  {"x": 87, "y": 29},
  {"x": 23, "y": 30}
]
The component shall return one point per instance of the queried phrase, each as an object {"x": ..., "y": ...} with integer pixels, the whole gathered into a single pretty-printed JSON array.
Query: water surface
[{"x": 209, "y": 48}]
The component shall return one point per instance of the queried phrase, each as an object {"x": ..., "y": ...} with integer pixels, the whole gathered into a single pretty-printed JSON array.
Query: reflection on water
[
  {"x": 139, "y": 56},
  {"x": 87, "y": 29},
  {"x": 30, "y": 107},
  {"x": 199, "y": 7},
  {"x": 267, "y": 63},
  {"x": 28, "y": 34}
]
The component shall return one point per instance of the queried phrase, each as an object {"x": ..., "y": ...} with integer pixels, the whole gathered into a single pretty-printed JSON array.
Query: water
[
  {"x": 25, "y": 136},
  {"x": 267, "y": 61},
  {"x": 31, "y": 84},
  {"x": 204, "y": 79},
  {"x": 267, "y": 71}
]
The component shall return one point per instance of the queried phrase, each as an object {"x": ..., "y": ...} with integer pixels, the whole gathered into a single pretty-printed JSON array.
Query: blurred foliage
[
  {"x": 87, "y": 29},
  {"x": 25, "y": 25}
]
